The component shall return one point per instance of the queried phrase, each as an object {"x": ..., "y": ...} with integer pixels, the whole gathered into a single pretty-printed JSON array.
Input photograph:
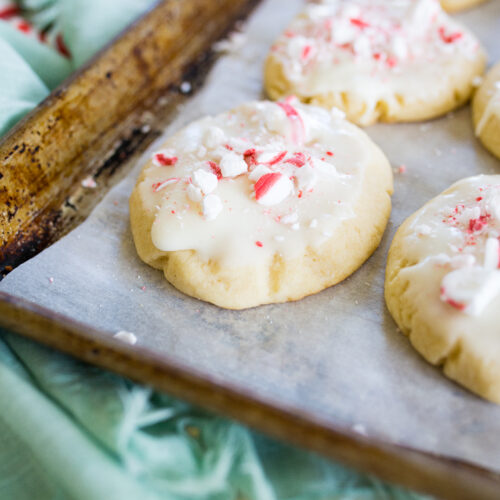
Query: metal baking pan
[{"x": 261, "y": 366}]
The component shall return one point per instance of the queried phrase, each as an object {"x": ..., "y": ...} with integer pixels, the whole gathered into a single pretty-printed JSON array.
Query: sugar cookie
[
  {"x": 266, "y": 203},
  {"x": 456, "y": 5},
  {"x": 387, "y": 60},
  {"x": 486, "y": 111},
  {"x": 443, "y": 283}
]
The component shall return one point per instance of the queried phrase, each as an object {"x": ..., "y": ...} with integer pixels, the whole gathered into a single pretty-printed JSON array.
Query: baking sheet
[{"x": 337, "y": 354}]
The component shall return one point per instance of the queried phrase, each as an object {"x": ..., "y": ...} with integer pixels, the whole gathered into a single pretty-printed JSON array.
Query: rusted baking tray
[{"x": 98, "y": 123}]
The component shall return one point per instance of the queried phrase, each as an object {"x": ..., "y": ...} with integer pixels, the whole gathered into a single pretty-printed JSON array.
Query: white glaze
[
  {"x": 457, "y": 256},
  {"x": 374, "y": 50},
  {"x": 322, "y": 161}
]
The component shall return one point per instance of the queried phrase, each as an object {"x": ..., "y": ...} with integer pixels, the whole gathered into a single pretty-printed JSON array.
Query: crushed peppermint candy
[
  {"x": 158, "y": 186},
  {"x": 296, "y": 121},
  {"x": 206, "y": 181},
  {"x": 470, "y": 289},
  {"x": 272, "y": 188},
  {"x": 164, "y": 160},
  {"x": 126, "y": 337},
  {"x": 470, "y": 286},
  {"x": 232, "y": 164},
  {"x": 194, "y": 193},
  {"x": 333, "y": 46},
  {"x": 234, "y": 41},
  {"x": 212, "y": 207},
  {"x": 279, "y": 167},
  {"x": 89, "y": 182}
]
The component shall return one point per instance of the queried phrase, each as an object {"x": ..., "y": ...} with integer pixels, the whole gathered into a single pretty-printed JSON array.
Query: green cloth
[
  {"x": 29, "y": 70},
  {"x": 70, "y": 431}
]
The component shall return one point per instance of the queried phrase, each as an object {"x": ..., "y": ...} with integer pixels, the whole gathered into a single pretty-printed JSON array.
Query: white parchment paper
[{"x": 337, "y": 353}]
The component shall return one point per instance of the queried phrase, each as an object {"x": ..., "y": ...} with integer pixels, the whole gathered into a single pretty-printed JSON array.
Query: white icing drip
[
  {"x": 460, "y": 243},
  {"x": 470, "y": 289},
  {"x": 229, "y": 219}
]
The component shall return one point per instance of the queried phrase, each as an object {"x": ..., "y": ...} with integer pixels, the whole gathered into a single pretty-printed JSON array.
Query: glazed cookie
[
  {"x": 387, "y": 60},
  {"x": 456, "y": 5},
  {"x": 269, "y": 202},
  {"x": 486, "y": 111},
  {"x": 443, "y": 283}
]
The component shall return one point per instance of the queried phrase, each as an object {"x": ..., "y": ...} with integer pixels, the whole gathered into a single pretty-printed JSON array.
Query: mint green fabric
[
  {"x": 70, "y": 431},
  {"x": 29, "y": 70},
  {"x": 21, "y": 88},
  {"x": 45, "y": 62},
  {"x": 86, "y": 25}
]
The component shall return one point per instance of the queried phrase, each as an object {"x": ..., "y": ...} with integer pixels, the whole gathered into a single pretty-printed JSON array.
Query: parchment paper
[{"x": 338, "y": 353}]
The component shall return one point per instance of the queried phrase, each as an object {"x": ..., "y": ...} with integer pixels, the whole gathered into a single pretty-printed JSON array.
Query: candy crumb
[
  {"x": 360, "y": 429},
  {"x": 185, "y": 87},
  {"x": 232, "y": 43},
  {"x": 89, "y": 182},
  {"x": 127, "y": 337}
]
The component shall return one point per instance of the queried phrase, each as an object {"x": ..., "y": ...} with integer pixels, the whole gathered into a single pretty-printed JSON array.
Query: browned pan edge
[
  {"x": 426, "y": 472},
  {"x": 83, "y": 125}
]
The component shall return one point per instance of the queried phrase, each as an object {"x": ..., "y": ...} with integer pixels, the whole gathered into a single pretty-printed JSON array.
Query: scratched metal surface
[{"x": 337, "y": 354}]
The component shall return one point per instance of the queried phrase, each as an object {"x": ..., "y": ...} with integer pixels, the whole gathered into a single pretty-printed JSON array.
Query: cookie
[
  {"x": 486, "y": 111},
  {"x": 269, "y": 202},
  {"x": 456, "y": 5},
  {"x": 443, "y": 283},
  {"x": 377, "y": 60}
]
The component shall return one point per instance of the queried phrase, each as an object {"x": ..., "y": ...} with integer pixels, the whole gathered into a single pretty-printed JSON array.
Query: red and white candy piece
[
  {"x": 272, "y": 188},
  {"x": 158, "y": 186},
  {"x": 470, "y": 289},
  {"x": 164, "y": 158},
  {"x": 298, "y": 131},
  {"x": 258, "y": 172}
]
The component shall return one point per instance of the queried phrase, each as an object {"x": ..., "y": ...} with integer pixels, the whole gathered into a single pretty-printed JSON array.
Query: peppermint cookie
[
  {"x": 387, "y": 60},
  {"x": 443, "y": 283},
  {"x": 266, "y": 203},
  {"x": 486, "y": 111},
  {"x": 456, "y": 5}
]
